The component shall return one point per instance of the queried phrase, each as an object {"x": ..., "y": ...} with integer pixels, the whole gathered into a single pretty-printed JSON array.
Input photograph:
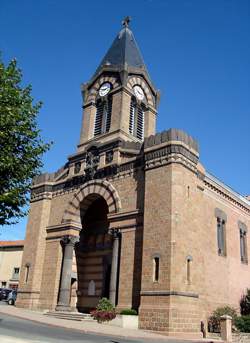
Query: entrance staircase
[{"x": 76, "y": 316}]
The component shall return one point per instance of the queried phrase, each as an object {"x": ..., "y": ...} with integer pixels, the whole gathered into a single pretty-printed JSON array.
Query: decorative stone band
[
  {"x": 136, "y": 80},
  {"x": 172, "y": 149},
  {"x": 91, "y": 96},
  {"x": 170, "y": 293},
  {"x": 180, "y": 158},
  {"x": 170, "y": 136},
  {"x": 89, "y": 192}
]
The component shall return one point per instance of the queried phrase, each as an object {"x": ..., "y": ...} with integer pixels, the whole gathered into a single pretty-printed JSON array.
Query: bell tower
[{"x": 120, "y": 101}]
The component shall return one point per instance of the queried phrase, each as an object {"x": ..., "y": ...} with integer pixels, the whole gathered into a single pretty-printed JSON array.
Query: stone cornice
[
  {"x": 126, "y": 220},
  {"x": 226, "y": 193}
]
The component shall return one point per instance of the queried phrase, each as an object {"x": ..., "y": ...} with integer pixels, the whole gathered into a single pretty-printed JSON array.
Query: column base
[{"x": 65, "y": 308}]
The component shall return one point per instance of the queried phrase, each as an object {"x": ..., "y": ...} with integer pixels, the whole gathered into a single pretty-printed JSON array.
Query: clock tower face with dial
[
  {"x": 105, "y": 89},
  {"x": 139, "y": 93}
]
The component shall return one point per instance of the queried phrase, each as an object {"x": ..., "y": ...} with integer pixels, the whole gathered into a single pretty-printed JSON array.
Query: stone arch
[
  {"x": 136, "y": 80},
  {"x": 90, "y": 191},
  {"x": 97, "y": 85}
]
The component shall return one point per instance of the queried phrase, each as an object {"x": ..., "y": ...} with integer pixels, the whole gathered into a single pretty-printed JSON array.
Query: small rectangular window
[
  {"x": 243, "y": 246},
  {"x": 16, "y": 270},
  {"x": 27, "y": 270},
  {"x": 15, "y": 274},
  {"x": 156, "y": 269},
  {"x": 189, "y": 271},
  {"x": 221, "y": 239}
]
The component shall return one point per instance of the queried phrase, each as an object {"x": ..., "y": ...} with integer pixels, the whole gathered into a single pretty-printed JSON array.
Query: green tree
[{"x": 21, "y": 145}]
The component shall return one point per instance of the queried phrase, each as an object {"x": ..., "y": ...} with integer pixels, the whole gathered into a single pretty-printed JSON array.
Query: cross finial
[{"x": 126, "y": 21}]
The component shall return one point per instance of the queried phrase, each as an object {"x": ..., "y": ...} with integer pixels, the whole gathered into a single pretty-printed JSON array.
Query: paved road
[{"x": 15, "y": 330}]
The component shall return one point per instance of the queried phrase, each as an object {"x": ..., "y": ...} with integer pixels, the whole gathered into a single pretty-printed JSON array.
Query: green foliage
[
  {"x": 245, "y": 303},
  {"x": 104, "y": 311},
  {"x": 21, "y": 145},
  {"x": 105, "y": 304},
  {"x": 243, "y": 323},
  {"x": 214, "y": 320},
  {"x": 129, "y": 311}
]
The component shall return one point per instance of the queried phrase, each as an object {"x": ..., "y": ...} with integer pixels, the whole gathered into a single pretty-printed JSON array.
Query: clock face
[
  {"x": 104, "y": 89},
  {"x": 138, "y": 92}
]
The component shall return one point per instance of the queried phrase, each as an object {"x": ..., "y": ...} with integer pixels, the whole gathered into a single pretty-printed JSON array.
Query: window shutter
[
  {"x": 132, "y": 117},
  {"x": 103, "y": 116},
  {"x": 140, "y": 123},
  {"x": 98, "y": 119},
  {"x": 108, "y": 114}
]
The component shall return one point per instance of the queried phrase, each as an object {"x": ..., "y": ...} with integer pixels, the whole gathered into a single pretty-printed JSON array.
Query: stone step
[{"x": 76, "y": 316}]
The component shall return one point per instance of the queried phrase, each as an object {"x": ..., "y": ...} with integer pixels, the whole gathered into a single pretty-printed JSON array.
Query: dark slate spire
[{"x": 124, "y": 51}]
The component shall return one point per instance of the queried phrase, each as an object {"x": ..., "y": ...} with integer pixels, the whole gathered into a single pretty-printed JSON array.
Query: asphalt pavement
[
  {"x": 17, "y": 330},
  {"x": 18, "y": 325}
]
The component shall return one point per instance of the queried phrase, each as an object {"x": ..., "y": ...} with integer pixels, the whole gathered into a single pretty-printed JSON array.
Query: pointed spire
[{"x": 124, "y": 51}]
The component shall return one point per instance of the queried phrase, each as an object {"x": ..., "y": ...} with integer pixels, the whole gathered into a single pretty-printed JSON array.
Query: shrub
[
  {"x": 104, "y": 311},
  {"x": 105, "y": 304},
  {"x": 245, "y": 303},
  {"x": 243, "y": 323},
  {"x": 129, "y": 311},
  {"x": 214, "y": 320}
]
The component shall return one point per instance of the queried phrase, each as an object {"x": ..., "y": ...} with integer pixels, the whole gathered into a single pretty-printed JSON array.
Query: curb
[{"x": 161, "y": 338}]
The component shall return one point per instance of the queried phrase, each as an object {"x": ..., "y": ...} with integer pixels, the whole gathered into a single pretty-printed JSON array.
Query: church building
[{"x": 133, "y": 215}]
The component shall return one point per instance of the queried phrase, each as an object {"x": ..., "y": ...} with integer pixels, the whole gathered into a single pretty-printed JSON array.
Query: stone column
[
  {"x": 65, "y": 284},
  {"x": 114, "y": 266},
  {"x": 226, "y": 328}
]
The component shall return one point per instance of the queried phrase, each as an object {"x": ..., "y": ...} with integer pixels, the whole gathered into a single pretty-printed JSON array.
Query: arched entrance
[
  {"x": 96, "y": 248},
  {"x": 93, "y": 253}
]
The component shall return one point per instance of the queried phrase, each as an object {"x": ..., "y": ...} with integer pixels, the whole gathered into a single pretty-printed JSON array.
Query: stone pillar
[
  {"x": 114, "y": 266},
  {"x": 65, "y": 284},
  {"x": 226, "y": 328}
]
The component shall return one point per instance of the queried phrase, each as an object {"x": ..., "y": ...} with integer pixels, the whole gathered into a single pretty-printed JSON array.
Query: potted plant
[{"x": 104, "y": 311}]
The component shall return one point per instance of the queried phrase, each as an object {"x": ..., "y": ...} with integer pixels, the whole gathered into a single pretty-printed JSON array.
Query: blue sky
[{"x": 197, "y": 53}]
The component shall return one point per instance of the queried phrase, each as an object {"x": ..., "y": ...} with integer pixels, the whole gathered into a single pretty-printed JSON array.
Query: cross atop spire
[{"x": 126, "y": 21}]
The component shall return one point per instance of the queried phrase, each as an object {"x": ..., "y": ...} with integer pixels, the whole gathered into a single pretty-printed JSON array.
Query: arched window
[
  {"x": 136, "y": 119},
  {"x": 103, "y": 116}
]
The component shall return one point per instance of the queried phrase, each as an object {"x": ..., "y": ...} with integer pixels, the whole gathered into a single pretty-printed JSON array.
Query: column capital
[
  {"x": 115, "y": 233},
  {"x": 70, "y": 240}
]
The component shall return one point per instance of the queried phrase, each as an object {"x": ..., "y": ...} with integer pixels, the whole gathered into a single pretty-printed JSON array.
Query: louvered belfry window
[
  {"x": 136, "y": 120},
  {"x": 103, "y": 116}
]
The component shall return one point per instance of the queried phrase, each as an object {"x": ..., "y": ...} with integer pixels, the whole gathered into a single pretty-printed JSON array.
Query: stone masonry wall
[
  {"x": 33, "y": 255},
  {"x": 154, "y": 314}
]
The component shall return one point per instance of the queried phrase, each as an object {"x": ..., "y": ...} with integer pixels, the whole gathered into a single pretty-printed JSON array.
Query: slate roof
[{"x": 124, "y": 50}]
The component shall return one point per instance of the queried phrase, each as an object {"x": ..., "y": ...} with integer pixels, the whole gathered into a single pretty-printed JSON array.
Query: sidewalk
[{"x": 89, "y": 326}]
